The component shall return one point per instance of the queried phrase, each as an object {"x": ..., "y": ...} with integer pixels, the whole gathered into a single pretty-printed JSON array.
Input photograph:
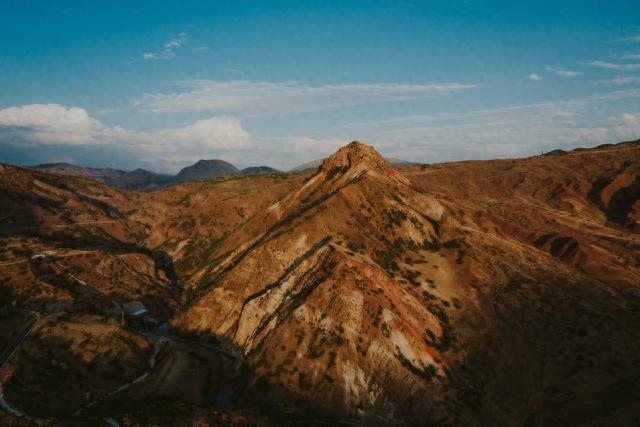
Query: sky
[{"x": 161, "y": 84}]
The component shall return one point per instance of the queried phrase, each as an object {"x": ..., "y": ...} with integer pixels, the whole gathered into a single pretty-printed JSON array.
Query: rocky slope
[
  {"x": 501, "y": 292},
  {"x": 372, "y": 297}
]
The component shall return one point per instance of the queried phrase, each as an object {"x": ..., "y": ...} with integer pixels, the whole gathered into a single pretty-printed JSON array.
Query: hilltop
[{"x": 313, "y": 165}]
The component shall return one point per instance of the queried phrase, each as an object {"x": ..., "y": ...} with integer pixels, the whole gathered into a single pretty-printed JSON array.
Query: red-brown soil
[{"x": 502, "y": 292}]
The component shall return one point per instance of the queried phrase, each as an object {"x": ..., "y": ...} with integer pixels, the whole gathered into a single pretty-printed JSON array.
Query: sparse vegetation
[
  {"x": 337, "y": 170},
  {"x": 427, "y": 372}
]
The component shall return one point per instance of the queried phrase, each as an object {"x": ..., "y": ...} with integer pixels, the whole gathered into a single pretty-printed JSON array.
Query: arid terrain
[{"x": 476, "y": 293}]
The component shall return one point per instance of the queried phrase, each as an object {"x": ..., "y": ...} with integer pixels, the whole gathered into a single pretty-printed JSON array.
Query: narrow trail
[{"x": 11, "y": 348}]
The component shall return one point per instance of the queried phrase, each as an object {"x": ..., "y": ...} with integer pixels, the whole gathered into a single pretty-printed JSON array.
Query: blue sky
[{"x": 161, "y": 84}]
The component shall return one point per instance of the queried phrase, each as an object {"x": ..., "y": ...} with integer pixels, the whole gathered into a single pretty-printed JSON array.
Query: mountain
[
  {"x": 630, "y": 144},
  {"x": 498, "y": 292},
  {"x": 399, "y": 162},
  {"x": 139, "y": 179},
  {"x": 257, "y": 170},
  {"x": 310, "y": 166},
  {"x": 313, "y": 165},
  {"x": 99, "y": 174},
  {"x": 205, "y": 169},
  {"x": 369, "y": 292}
]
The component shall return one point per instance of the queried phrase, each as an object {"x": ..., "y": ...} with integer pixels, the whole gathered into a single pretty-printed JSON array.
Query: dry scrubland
[{"x": 501, "y": 292}]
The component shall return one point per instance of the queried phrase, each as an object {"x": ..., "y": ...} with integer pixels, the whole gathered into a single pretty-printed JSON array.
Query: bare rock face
[{"x": 357, "y": 157}]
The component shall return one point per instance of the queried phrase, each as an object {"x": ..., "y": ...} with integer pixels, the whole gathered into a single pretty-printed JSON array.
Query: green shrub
[{"x": 338, "y": 170}]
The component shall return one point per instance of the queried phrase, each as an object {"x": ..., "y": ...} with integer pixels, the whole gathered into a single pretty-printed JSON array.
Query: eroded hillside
[{"x": 501, "y": 292}]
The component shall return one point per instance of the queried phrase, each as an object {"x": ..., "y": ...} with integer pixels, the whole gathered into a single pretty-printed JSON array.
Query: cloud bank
[
  {"x": 41, "y": 125},
  {"x": 508, "y": 131},
  {"x": 263, "y": 98}
]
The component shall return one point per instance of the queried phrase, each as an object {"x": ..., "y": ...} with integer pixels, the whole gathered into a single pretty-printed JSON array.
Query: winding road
[
  {"x": 6, "y": 355},
  {"x": 10, "y": 350},
  {"x": 157, "y": 342}
]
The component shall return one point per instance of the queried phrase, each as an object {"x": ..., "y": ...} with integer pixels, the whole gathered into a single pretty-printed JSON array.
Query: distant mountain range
[
  {"x": 142, "y": 179},
  {"x": 138, "y": 179}
]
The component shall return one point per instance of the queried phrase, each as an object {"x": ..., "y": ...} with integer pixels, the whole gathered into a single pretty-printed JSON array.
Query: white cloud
[
  {"x": 168, "y": 52},
  {"x": 631, "y": 56},
  {"x": 563, "y": 73},
  {"x": 549, "y": 109},
  {"x": 262, "y": 98},
  {"x": 47, "y": 124},
  {"x": 631, "y": 124},
  {"x": 624, "y": 80},
  {"x": 500, "y": 136},
  {"x": 54, "y": 124},
  {"x": 632, "y": 39},
  {"x": 307, "y": 145},
  {"x": 215, "y": 133},
  {"x": 200, "y": 48},
  {"x": 534, "y": 77},
  {"x": 164, "y": 54},
  {"x": 614, "y": 66},
  {"x": 504, "y": 132},
  {"x": 177, "y": 41}
]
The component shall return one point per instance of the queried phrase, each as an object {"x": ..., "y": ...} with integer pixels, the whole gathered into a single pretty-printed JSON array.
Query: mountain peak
[
  {"x": 208, "y": 162},
  {"x": 205, "y": 169},
  {"x": 359, "y": 155}
]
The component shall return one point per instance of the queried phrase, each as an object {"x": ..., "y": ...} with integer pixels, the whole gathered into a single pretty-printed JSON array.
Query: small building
[{"x": 134, "y": 308}]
